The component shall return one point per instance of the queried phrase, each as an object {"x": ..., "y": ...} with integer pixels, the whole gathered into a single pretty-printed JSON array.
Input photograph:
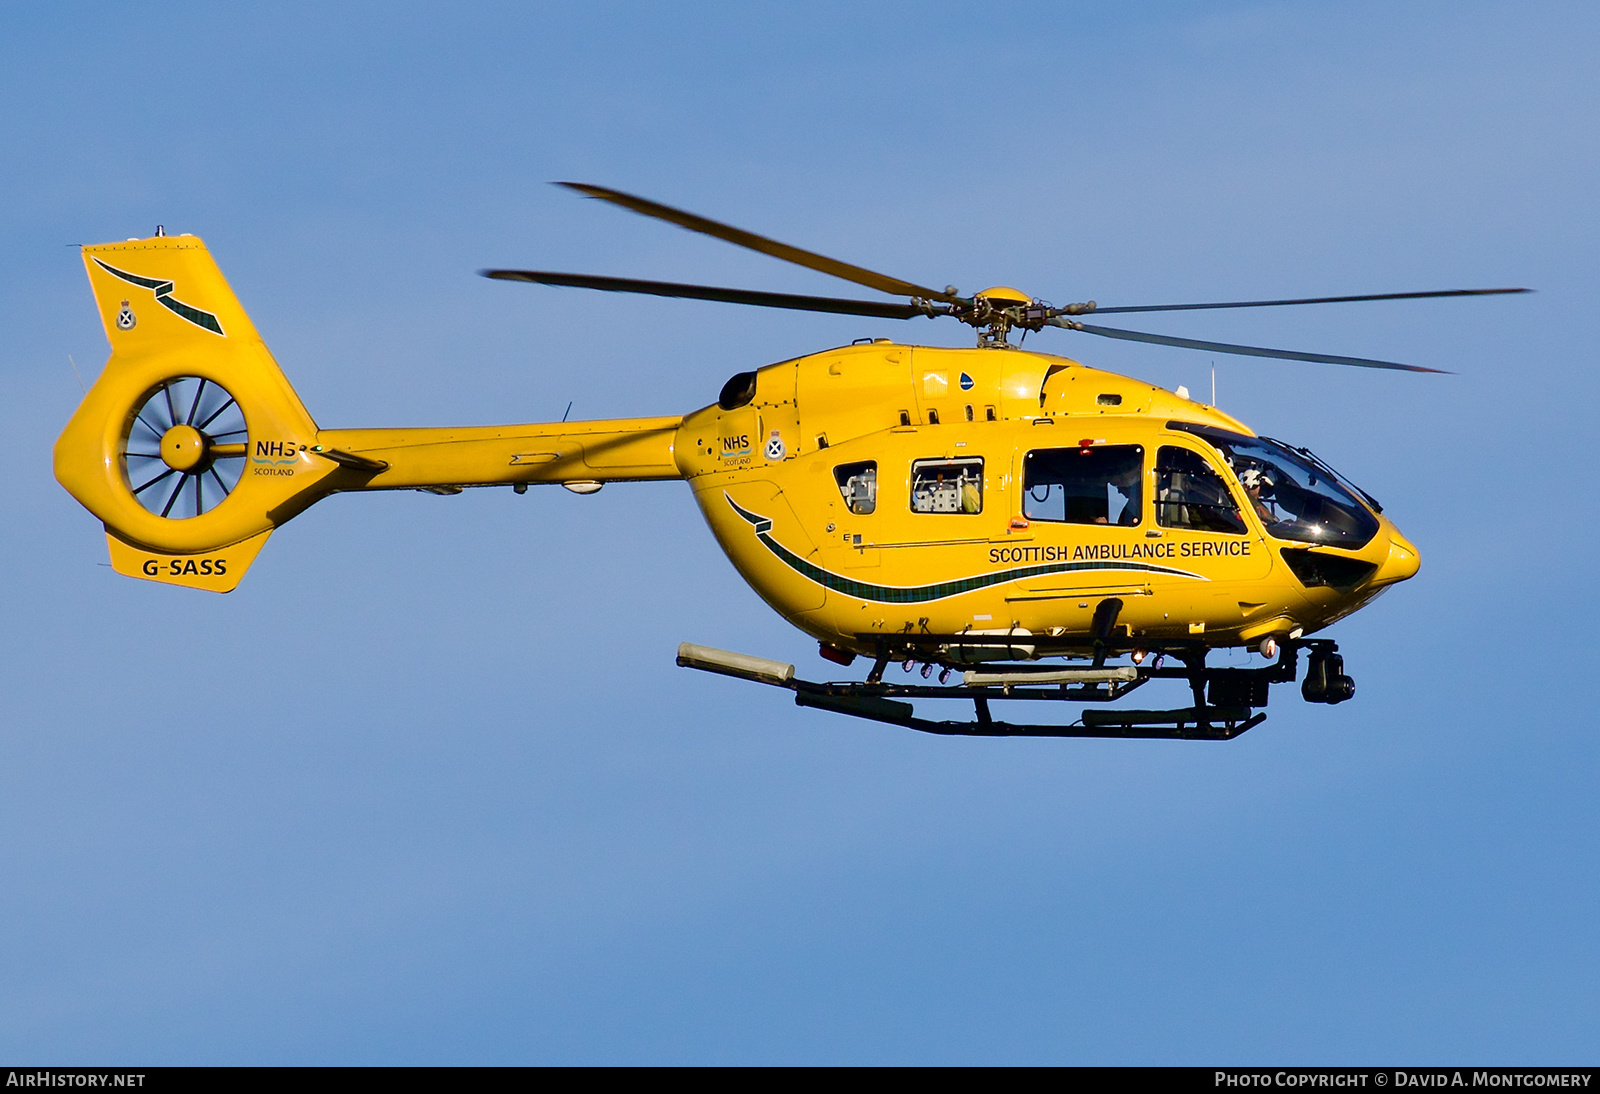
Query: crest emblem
[
  {"x": 775, "y": 449},
  {"x": 126, "y": 320},
  {"x": 966, "y": 382}
]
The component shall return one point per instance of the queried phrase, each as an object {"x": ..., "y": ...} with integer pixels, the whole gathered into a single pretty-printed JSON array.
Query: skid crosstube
[{"x": 1222, "y": 716}]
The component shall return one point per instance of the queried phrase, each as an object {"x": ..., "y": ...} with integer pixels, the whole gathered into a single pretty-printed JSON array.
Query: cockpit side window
[
  {"x": 1189, "y": 494},
  {"x": 947, "y": 486},
  {"x": 858, "y": 485},
  {"x": 1097, "y": 485}
]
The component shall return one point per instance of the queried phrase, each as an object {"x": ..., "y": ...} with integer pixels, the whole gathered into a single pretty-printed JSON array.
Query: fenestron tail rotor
[
  {"x": 185, "y": 447},
  {"x": 993, "y": 312}
]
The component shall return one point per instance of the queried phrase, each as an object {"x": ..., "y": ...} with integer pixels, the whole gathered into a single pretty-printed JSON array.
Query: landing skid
[{"x": 1227, "y": 714}]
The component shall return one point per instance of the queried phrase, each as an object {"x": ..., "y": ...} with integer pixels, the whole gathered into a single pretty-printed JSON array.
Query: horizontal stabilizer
[
  {"x": 216, "y": 571},
  {"x": 351, "y": 460}
]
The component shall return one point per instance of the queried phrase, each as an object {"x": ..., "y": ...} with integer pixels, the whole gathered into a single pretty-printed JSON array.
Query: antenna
[
  {"x": 75, "y": 372},
  {"x": 1213, "y": 385},
  {"x": 568, "y": 411}
]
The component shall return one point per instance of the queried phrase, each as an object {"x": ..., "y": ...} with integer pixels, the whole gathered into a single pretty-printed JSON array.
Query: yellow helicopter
[{"x": 974, "y": 511}]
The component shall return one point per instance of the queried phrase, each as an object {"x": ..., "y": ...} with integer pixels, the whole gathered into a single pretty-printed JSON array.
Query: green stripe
[
  {"x": 921, "y": 594},
  {"x": 194, "y": 315},
  {"x": 135, "y": 279},
  {"x": 163, "y": 291}
]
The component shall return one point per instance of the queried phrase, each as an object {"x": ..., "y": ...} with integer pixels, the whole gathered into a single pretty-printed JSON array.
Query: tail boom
[{"x": 626, "y": 449}]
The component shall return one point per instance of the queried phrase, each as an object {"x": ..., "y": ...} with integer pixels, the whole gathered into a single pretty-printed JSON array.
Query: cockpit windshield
[{"x": 1295, "y": 497}]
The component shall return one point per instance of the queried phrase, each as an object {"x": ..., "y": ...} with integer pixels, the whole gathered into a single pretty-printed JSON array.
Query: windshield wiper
[{"x": 1322, "y": 465}]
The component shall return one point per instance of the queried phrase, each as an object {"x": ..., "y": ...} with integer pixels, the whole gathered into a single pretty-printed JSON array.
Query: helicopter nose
[{"x": 1401, "y": 563}]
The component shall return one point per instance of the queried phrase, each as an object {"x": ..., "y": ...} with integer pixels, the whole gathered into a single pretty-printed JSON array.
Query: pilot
[{"x": 1254, "y": 481}]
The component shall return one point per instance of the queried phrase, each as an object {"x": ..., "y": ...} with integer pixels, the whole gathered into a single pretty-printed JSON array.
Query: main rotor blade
[
  {"x": 1225, "y": 347},
  {"x": 833, "y": 304},
  {"x": 1311, "y": 300},
  {"x": 738, "y": 236}
]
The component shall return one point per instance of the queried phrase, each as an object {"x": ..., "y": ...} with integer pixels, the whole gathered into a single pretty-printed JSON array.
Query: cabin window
[
  {"x": 858, "y": 485},
  {"x": 1189, "y": 494},
  {"x": 947, "y": 486},
  {"x": 1096, "y": 485}
]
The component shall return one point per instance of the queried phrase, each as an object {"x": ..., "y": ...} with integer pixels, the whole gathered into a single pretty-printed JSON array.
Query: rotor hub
[
  {"x": 183, "y": 447},
  {"x": 995, "y": 311},
  {"x": 1002, "y": 296}
]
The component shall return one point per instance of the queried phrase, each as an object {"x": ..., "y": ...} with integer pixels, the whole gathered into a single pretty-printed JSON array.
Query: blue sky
[{"x": 428, "y": 787}]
